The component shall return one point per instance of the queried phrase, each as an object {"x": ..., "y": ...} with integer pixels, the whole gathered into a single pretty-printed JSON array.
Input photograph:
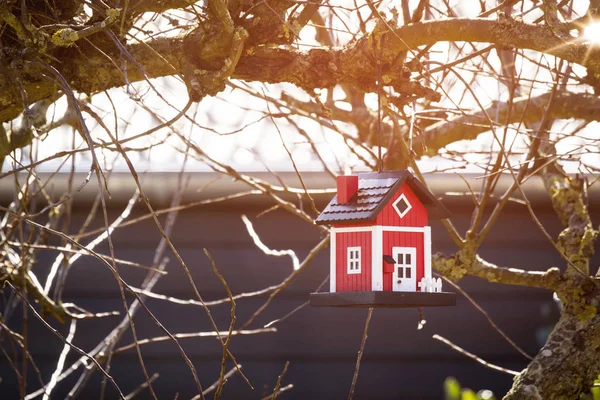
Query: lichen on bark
[{"x": 568, "y": 363}]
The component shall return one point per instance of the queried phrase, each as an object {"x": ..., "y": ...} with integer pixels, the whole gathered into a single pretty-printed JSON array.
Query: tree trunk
[{"x": 567, "y": 364}]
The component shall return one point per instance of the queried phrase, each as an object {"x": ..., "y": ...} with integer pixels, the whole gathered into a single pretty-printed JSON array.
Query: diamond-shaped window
[{"x": 402, "y": 206}]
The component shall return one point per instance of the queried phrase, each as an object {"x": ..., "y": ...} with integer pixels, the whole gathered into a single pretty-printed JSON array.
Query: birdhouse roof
[{"x": 375, "y": 190}]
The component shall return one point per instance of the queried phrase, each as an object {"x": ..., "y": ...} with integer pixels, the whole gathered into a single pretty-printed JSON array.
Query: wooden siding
[
  {"x": 417, "y": 215},
  {"x": 353, "y": 282},
  {"x": 403, "y": 239}
]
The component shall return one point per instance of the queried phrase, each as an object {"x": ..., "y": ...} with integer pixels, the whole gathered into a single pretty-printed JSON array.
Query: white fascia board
[
  {"x": 377, "y": 259},
  {"x": 427, "y": 251},
  {"x": 404, "y": 228},
  {"x": 332, "y": 260},
  {"x": 354, "y": 229}
]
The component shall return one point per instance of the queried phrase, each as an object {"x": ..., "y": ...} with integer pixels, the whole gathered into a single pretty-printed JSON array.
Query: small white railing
[{"x": 432, "y": 285}]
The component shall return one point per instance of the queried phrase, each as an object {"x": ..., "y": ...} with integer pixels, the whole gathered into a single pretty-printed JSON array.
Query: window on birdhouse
[
  {"x": 402, "y": 206},
  {"x": 400, "y": 272},
  {"x": 354, "y": 266}
]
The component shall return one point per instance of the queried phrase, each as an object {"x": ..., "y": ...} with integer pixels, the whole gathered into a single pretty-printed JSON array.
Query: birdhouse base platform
[{"x": 383, "y": 299}]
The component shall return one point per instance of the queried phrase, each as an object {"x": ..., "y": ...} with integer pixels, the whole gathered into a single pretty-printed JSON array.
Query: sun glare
[{"x": 592, "y": 32}]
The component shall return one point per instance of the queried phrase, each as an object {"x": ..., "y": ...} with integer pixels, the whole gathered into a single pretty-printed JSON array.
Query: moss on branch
[
  {"x": 15, "y": 277},
  {"x": 568, "y": 363},
  {"x": 457, "y": 266},
  {"x": 569, "y": 199}
]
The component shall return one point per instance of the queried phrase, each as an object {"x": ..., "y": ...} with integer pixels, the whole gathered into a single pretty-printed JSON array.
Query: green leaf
[
  {"x": 451, "y": 389},
  {"x": 596, "y": 390},
  {"x": 468, "y": 394}
]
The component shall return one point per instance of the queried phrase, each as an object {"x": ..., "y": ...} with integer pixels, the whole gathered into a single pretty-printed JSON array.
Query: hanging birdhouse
[{"x": 381, "y": 243}]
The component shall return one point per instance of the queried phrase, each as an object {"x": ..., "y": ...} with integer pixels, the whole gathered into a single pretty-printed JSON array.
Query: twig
[
  {"x": 360, "y": 354},
  {"x": 288, "y": 280},
  {"x": 186, "y": 270},
  {"x": 279, "y": 378},
  {"x": 283, "y": 389},
  {"x": 289, "y": 153},
  {"x": 90, "y": 246},
  {"x": 295, "y": 310},
  {"x": 485, "y": 314},
  {"x": 61, "y": 360},
  {"x": 212, "y": 387},
  {"x": 143, "y": 386},
  {"x": 113, "y": 336},
  {"x": 63, "y": 339},
  {"x": 474, "y": 357},
  {"x": 231, "y": 325},
  {"x": 176, "y": 208},
  {"x": 191, "y": 335},
  {"x": 265, "y": 249}
]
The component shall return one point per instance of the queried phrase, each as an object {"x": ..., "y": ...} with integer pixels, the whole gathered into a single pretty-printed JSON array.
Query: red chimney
[{"x": 347, "y": 186}]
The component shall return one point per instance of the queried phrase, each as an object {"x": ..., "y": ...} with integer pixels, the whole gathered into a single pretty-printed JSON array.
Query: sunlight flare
[{"x": 592, "y": 32}]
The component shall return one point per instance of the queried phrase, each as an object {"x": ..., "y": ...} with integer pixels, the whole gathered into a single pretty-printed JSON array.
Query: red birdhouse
[{"x": 381, "y": 243}]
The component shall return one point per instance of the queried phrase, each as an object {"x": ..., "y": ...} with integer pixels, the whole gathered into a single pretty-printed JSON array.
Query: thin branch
[
  {"x": 143, "y": 386},
  {"x": 276, "y": 390},
  {"x": 474, "y": 357},
  {"x": 159, "y": 339},
  {"x": 315, "y": 250},
  {"x": 212, "y": 387},
  {"x": 63, "y": 339},
  {"x": 231, "y": 325},
  {"x": 61, "y": 360},
  {"x": 488, "y": 318},
  {"x": 360, "y": 354}
]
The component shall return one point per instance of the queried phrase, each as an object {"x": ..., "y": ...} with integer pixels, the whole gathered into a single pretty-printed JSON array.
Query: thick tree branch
[
  {"x": 159, "y": 6},
  {"x": 569, "y": 199},
  {"x": 456, "y": 267},
  {"x": 89, "y": 71},
  {"x": 466, "y": 126},
  {"x": 353, "y": 64},
  {"x": 525, "y": 109},
  {"x": 568, "y": 363}
]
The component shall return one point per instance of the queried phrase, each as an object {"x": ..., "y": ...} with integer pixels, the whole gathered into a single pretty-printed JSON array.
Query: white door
[{"x": 404, "y": 278}]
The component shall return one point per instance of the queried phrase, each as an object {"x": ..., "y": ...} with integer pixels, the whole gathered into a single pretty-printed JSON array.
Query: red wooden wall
[
  {"x": 403, "y": 239},
  {"x": 417, "y": 215},
  {"x": 353, "y": 282}
]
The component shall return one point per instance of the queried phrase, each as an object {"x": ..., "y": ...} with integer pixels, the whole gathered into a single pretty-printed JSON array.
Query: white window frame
[
  {"x": 395, "y": 205},
  {"x": 354, "y": 263}
]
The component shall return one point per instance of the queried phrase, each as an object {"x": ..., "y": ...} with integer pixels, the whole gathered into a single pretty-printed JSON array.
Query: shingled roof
[{"x": 375, "y": 190}]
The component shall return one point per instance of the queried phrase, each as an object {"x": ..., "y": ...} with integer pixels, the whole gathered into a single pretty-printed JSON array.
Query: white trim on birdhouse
[
  {"x": 354, "y": 229},
  {"x": 400, "y": 198},
  {"x": 377, "y": 259},
  {"x": 404, "y": 228},
  {"x": 427, "y": 252},
  {"x": 353, "y": 260},
  {"x": 333, "y": 261}
]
